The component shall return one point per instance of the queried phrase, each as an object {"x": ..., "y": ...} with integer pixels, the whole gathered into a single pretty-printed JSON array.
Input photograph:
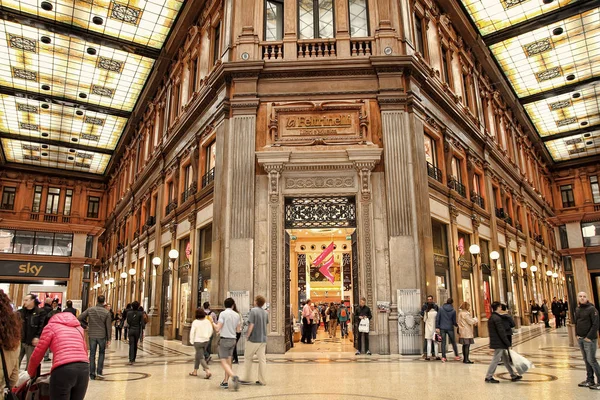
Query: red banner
[
  {"x": 325, "y": 270},
  {"x": 323, "y": 255}
]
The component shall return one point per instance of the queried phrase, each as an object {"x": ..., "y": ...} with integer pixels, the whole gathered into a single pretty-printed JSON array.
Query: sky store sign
[{"x": 23, "y": 269}]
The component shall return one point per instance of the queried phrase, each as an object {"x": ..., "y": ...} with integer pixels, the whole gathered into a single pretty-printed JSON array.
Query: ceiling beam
[
  {"x": 576, "y": 162},
  {"x": 53, "y": 26},
  {"x": 559, "y": 90},
  {"x": 559, "y": 14},
  {"x": 37, "y": 169},
  {"x": 24, "y": 94},
  {"x": 53, "y": 142},
  {"x": 575, "y": 132}
]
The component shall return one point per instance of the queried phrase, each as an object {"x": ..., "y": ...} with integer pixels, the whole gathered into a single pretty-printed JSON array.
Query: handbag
[
  {"x": 7, "y": 391},
  {"x": 363, "y": 327},
  {"x": 437, "y": 337}
]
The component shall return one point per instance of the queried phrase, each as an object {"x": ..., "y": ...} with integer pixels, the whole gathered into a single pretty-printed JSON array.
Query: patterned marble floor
[{"x": 163, "y": 366}]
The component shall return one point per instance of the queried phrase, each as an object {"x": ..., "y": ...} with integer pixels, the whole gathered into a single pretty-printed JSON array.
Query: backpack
[
  {"x": 332, "y": 312},
  {"x": 343, "y": 313}
]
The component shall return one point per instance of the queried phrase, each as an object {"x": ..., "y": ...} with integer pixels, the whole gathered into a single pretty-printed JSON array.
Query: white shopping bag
[{"x": 520, "y": 363}]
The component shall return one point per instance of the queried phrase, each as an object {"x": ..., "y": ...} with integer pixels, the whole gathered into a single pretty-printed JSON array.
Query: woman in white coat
[{"x": 429, "y": 319}]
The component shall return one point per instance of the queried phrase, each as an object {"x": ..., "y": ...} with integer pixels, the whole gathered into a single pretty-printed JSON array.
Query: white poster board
[
  {"x": 77, "y": 304},
  {"x": 242, "y": 302},
  {"x": 410, "y": 337}
]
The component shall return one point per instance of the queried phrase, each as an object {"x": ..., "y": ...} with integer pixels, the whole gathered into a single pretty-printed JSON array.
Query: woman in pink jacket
[{"x": 70, "y": 367}]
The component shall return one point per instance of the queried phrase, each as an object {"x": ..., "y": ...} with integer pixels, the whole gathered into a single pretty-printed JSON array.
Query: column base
[
  {"x": 483, "y": 328},
  {"x": 153, "y": 325},
  {"x": 185, "y": 334},
  {"x": 517, "y": 320},
  {"x": 169, "y": 331},
  {"x": 572, "y": 335}
]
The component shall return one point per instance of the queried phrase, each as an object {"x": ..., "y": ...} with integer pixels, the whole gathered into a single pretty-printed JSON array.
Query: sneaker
[
  {"x": 259, "y": 383},
  {"x": 586, "y": 384},
  {"x": 224, "y": 385},
  {"x": 93, "y": 378},
  {"x": 368, "y": 353},
  {"x": 515, "y": 378},
  {"x": 491, "y": 380},
  {"x": 457, "y": 358},
  {"x": 357, "y": 353},
  {"x": 99, "y": 376},
  {"x": 236, "y": 383},
  {"x": 594, "y": 387}
]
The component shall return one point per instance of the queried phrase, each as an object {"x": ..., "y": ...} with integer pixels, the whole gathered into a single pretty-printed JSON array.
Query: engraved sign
[{"x": 319, "y": 124}]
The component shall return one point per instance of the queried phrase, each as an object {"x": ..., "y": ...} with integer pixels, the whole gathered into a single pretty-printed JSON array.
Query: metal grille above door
[{"x": 320, "y": 212}]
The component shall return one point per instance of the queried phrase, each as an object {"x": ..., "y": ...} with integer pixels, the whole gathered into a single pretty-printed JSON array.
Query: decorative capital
[
  {"x": 475, "y": 220},
  {"x": 453, "y": 212}
]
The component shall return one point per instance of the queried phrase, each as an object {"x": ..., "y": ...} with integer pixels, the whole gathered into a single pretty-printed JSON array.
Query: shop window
[
  {"x": 68, "y": 202},
  {"x": 63, "y": 243},
  {"x": 420, "y": 34},
  {"x": 24, "y": 242},
  {"x": 37, "y": 199},
  {"x": 591, "y": 233},
  {"x": 8, "y": 198},
  {"x": 359, "y": 18},
  {"x": 595, "y": 188},
  {"x": 273, "y": 20},
  {"x": 216, "y": 43},
  {"x": 93, "y": 207},
  {"x": 315, "y": 19},
  {"x": 6, "y": 240},
  {"x": 52, "y": 201},
  {"x": 43, "y": 243},
  {"x": 566, "y": 193}
]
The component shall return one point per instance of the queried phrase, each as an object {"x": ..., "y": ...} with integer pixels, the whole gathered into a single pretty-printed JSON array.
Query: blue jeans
[
  {"x": 101, "y": 344},
  {"x": 588, "y": 350}
]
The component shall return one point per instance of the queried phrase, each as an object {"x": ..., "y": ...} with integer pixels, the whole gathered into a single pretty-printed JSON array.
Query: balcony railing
[
  {"x": 189, "y": 192},
  {"x": 7, "y": 206},
  {"x": 509, "y": 220},
  {"x": 477, "y": 199},
  {"x": 500, "y": 213},
  {"x": 539, "y": 239},
  {"x": 434, "y": 172},
  {"x": 272, "y": 50},
  {"x": 459, "y": 187},
  {"x": 318, "y": 48},
  {"x": 50, "y": 218},
  {"x": 361, "y": 47},
  {"x": 170, "y": 207},
  {"x": 208, "y": 178},
  {"x": 596, "y": 207}
]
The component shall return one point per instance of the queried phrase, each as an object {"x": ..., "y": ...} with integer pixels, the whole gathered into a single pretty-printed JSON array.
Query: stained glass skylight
[{"x": 577, "y": 146}]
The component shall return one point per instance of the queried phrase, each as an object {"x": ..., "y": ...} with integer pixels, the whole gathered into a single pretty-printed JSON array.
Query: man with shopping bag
[
  {"x": 500, "y": 343},
  {"x": 586, "y": 329}
]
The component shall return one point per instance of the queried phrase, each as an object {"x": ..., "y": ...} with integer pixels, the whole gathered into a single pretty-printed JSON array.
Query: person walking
[
  {"x": 32, "y": 324},
  {"x": 363, "y": 311},
  {"x": 556, "y": 309},
  {"x": 125, "y": 326},
  {"x": 228, "y": 325},
  {"x": 238, "y": 335},
  {"x": 326, "y": 319},
  {"x": 544, "y": 310},
  {"x": 69, "y": 373},
  {"x": 586, "y": 330},
  {"x": 563, "y": 312},
  {"x": 135, "y": 321},
  {"x": 424, "y": 309},
  {"x": 99, "y": 328},
  {"x": 256, "y": 342},
  {"x": 306, "y": 323},
  {"x": 509, "y": 322},
  {"x": 535, "y": 312},
  {"x": 465, "y": 330},
  {"x": 445, "y": 323},
  {"x": 10, "y": 341},
  {"x": 118, "y": 326},
  {"x": 333, "y": 320},
  {"x": 200, "y": 334},
  {"x": 342, "y": 315},
  {"x": 316, "y": 322},
  {"x": 212, "y": 317},
  {"x": 70, "y": 308},
  {"x": 499, "y": 343},
  {"x": 50, "y": 312},
  {"x": 429, "y": 317}
]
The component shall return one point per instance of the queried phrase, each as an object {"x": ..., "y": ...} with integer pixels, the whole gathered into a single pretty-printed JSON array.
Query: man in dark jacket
[
  {"x": 556, "y": 310},
  {"x": 363, "y": 311},
  {"x": 544, "y": 310},
  {"x": 70, "y": 308},
  {"x": 99, "y": 333},
  {"x": 509, "y": 322},
  {"x": 563, "y": 312},
  {"x": 586, "y": 329},
  {"x": 444, "y": 324},
  {"x": 33, "y": 319},
  {"x": 423, "y": 310},
  {"x": 500, "y": 343}
]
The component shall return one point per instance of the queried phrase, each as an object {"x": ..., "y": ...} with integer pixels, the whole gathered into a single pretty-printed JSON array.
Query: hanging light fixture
[
  {"x": 533, "y": 268},
  {"x": 549, "y": 273},
  {"x": 111, "y": 279},
  {"x": 523, "y": 264},
  {"x": 123, "y": 275},
  {"x": 132, "y": 271},
  {"x": 474, "y": 249},
  {"x": 156, "y": 261}
]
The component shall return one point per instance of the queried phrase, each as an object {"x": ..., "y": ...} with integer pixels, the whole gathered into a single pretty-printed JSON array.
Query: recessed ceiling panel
[
  {"x": 42, "y": 62},
  {"x": 566, "y": 112},
  {"x": 143, "y": 22},
  {"x": 576, "y": 146},
  {"x": 44, "y": 155},
  {"x": 541, "y": 60},
  {"x": 493, "y": 15},
  {"x": 31, "y": 118}
]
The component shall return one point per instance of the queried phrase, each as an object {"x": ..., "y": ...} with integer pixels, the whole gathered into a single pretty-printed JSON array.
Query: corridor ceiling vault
[
  {"x": 71, "y": 73},
  {"x": 549, "y": 51}
]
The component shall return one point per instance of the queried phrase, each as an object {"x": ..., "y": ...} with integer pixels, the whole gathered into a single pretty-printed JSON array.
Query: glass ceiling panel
[
  {"x": 109, "y": 78},
  {"x": 31, "y": 118},
  {"x": 493, "y": 15},
  {"x": 566, "y": 112},
  {"x": 24, "y": 152},
  {"x": 146, "y": 22},
  {"x": 587, "y": 144},
  {"x": 540, "y": 60}
]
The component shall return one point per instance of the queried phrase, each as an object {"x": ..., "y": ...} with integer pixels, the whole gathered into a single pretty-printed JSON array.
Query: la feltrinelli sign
[
  {"x": 311, "y": 123},
  {"x": 25, "y": 269}
]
